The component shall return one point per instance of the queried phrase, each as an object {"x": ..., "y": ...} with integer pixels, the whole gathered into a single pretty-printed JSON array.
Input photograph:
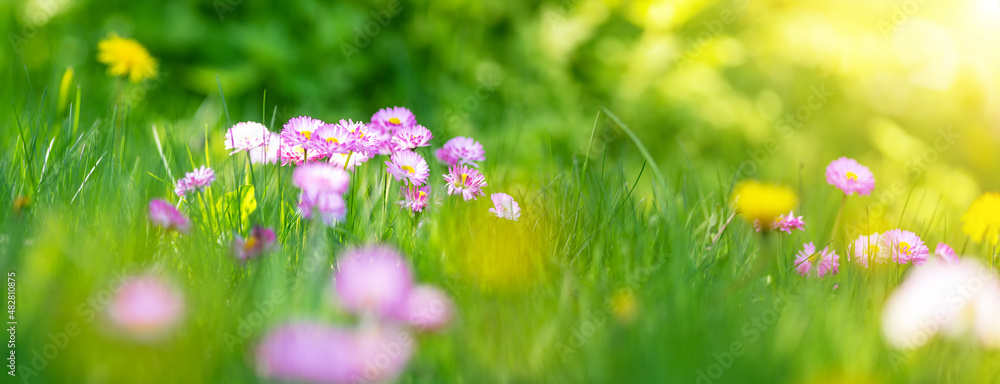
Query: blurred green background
[{"x": 716, "y": 90}]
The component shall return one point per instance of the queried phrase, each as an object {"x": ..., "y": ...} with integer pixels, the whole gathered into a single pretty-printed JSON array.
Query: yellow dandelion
[
  {"x": 758, "y": 201},
  {"x": 126, "y": 57},
  {"x": 982, "y": 220}
]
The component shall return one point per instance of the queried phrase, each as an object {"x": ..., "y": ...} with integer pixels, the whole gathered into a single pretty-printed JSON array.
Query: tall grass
[{"x": 543, "y": 299}]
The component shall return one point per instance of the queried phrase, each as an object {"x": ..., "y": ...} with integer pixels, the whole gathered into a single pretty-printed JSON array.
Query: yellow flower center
[
  {"x": 251, "y": 242},
  {"x": 904, "y": 247},
  {"x": 465, "y": 177},
  {"x": 408, "y": 169},
  {"x": 333, "y": 140},
  {"x": 394, "y": 121},
  {"x": 422, "y": 194},
  {"x": 851, "y": 176}
]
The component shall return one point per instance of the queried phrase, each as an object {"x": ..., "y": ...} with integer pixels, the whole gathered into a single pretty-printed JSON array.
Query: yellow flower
[
  {"x": 126, "y": 57},
  {"x": 982, "y": 220},
  {"x": 624, "y": 306},
  {"x": 758, "y": 201}
]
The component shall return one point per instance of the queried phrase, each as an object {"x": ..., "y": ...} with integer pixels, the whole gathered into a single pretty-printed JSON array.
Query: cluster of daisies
[
  {"x": 323, "y": 155},
  {"x": 324, "y": 152},
  {"x": 943, "y": 294},
  {"x": 893, "y": 246},
  {"x": 375, "y": 284}
]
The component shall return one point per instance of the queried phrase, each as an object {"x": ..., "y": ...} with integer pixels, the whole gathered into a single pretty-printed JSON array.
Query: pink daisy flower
[
  {"x": 268, "y": 152},
  {"x": 373, "y": 279},
  {"x": 195, "y": 180},
  {"x": 368, "y": 141},
  {"x": 409, "y": 138},
  {"x": 461, "y": 150},
  {"x": 828, "y": 262},
  {"x": 865, "y": 249},
  {"x": 323, "y": 186},
  {"x": 467, "y": 181},
  {"x": 409, "y": 166},
  {"x": 246, "y": 136},
  {"x": 259, "y": 240},
  {"x": 850, "y": 176},
  {"x": 299, "y": 130},
  {"x": 505, "y": 207},
  {"x": 802, "y": 263},
  {"x": 428, "y": 308},
  {"x": 331, "y": 139},
  {"x": 388, "y": 120},
  {"x": 289, "y": 152},
  {"x": 785, "y": 223},
  {"x": 902, "y": 246},
  {"x": 165, "y": 215},
  {"x": 145, "y": 307},
  {"x": 413, "y": 198},
  {"x": 946, "y": 253},
  {"x": 309, "y": 352},
  {"x": 791, "y": 222}
]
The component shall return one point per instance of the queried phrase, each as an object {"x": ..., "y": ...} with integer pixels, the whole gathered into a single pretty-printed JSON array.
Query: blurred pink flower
[
  {"x": 410, "y": 138},
  {"x": 195, "y": 180},
  {"x": 505, "y": 207},
  {"x": 246, "y": 136},
  {"x": 408, "y": 165},
  {"x": 467, "y": 181},
  {"x": 373, "y": 279},
  {"x": 323, "y": 186},
  {"x": 946, "y": 253},
  {"x": 866, "y": 248},
  {"x": 942, "y": 297},
  {"x": 461, "y": 150},
  {"x": 165, "y": 215},
  {"x": 383, "y": 352},
  {"x": 259, "y": 240},
  {"x": 428, "y": 308},
  {"x": 902, "y": 246},
  {"x": 850, "y": 176},
  {"x": 309, "y": 352},
  {"x": 318, "y": 178},
  {"x": 145, "y": 307},
  {"x": 413, "y": 198}
]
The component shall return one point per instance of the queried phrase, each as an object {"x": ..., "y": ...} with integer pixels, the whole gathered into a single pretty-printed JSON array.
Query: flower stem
[{"x": 348, "y": 160}]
